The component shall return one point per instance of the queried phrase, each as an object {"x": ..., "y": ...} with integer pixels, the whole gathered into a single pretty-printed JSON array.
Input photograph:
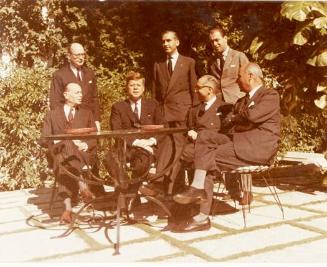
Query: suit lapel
[
  {"x": 128, "y": 108},
  {"x": 177, "y": 69}
]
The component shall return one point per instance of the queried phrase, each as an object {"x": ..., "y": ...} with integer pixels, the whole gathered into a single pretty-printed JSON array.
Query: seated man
[
  {"x": 76, "y": 155},
  {"x": 132, "y": 113},
  {"x": 253, "y": 139}
]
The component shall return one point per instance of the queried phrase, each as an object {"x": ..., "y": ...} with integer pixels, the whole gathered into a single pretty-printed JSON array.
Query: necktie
[
  {"x": 202, "y": 109},
  {"x": 221, "y": 63},
  {"x": 70, "y": 115},
  {"x": 136, "y": 112},
  {"x": 79, "y": 75},
  {"x": 170, "y": 66}
]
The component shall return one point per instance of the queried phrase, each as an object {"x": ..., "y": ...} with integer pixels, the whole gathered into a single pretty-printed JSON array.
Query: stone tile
[
  {"x": 25, "y": 246},
  {"x": 299, "y": 198},
  {"x": 318, "y": 223},
  {"x": 128, "y": 233},
  {"x": 264, "y": 190},
  {"x": 260, "y": 216},
  {"x": 322, "y": 207},
  {"x": 192, "y": 235},
  {"x": 187, "y": 258},
  {"x": 250, "y": 241},
  {"x": 128, "y": 253},
  {"x": 313, "y": 252},
  {"x": 11, "y": 214}
]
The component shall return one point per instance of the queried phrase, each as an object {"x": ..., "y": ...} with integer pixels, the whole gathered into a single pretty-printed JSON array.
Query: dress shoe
[
  {"x": 191, "y": 195},
  {"x": 194, "y": 226},
  {"x": 87, "y": 195},
  {"x": 152, "y": 189},
  {"x": 246, "y": 199},
  {"x": 66, "y": 217}
]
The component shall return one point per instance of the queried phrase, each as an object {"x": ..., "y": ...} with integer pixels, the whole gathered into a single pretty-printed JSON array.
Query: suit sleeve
[
  {"x": 158, "y": 116},
  {"x": 154, "y": 81},
  {"x": 91, "y": 123},
  {"x": 56, "y": 92},
  {"x": 115, "y": 118},
  {"x": 193, "y": 81},
  {"x": 46, "y": 130},
  {"x": 95, "y": 100},
  {"x": 243, "y": 59},
  {"x": 260, "y": 112}
]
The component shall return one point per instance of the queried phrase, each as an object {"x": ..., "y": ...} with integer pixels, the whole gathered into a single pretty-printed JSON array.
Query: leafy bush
[{"x": 22, "y": 107}]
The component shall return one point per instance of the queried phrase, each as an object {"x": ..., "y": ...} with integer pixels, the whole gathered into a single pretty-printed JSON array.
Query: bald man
[
  {"x": 252, "y": 140},
  {"x": 76, "y": 72},
  {"x": 76, "y": 154}
]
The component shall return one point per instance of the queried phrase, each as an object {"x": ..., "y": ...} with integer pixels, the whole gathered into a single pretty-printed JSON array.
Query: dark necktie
[
  {"x": 221, "y": 63},
  {"x": 170, "y": 66},
  {"x": 79, "y": 75},
  {"x": 136, "y": 112},
  {"x": 202, "y": 109},
  {"x": 70, "y": 115}
]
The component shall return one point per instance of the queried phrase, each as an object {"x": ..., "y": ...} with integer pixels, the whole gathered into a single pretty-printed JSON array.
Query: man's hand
[
  {"x": 82, "y": 146},
  {"x": 145, "y": 143},
  {"x": 192, "y": 134}
]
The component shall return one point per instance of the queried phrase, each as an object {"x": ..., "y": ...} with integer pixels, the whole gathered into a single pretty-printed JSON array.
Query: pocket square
[
  {"x": 90, "y": 81},
  {"x": 251, "y": 104},
  {"x": 219, "y": 113},
  {"x": 232, "y": 66}
]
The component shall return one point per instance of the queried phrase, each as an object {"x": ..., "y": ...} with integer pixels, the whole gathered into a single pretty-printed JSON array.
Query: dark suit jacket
[
  {"x": 175, "y": 94},
  {"x": 258, "y": 143},
  {"x": 210, "y": 120},
  {"x": 64, "y": 76},
  {"x": 230, "y": 88},
  {"x": 55, "y": 122},
  {"x": 122, "y": 116}
]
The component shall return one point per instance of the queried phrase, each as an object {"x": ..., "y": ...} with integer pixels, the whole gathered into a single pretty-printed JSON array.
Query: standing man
[
  {"x": 225, "y": 65},
  {"x": 174, "y": 80},
  {"x": 252, "y": 140},
  {"x": 76, "y": 72}
]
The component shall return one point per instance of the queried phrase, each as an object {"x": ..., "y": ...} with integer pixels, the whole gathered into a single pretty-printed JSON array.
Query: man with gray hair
[{"x": 252, "y": 139}]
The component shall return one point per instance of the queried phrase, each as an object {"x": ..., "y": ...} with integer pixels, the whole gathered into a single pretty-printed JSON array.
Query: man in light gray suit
[{"x": 225, "y": 65}]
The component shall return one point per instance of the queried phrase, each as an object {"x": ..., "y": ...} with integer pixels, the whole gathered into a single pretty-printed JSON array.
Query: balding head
[
  {"x": 210, "y": 81},
  {"x": 250, "y": 76},
  {"x": 76, "y": 55},
  {"x": 207, "y": 87}
]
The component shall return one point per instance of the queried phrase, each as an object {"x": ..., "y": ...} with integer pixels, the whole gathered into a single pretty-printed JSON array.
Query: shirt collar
[
  {"x": 210, "y": 102},
  {"x": 138, "y": 102},
  {"x": 252, "y": 92},
  {"x": 225, "y": 53},
  {"x": 173, "y": 56}
]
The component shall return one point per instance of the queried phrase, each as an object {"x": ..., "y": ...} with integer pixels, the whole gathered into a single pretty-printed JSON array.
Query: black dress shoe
[
  {"x": 152, "y": 189},
  {"x": 194, "y": 226},
  {"x": 191, "y": 195}
]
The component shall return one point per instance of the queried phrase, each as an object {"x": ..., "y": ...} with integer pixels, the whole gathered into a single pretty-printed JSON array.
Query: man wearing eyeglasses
[{"x": 76, "y": 72}]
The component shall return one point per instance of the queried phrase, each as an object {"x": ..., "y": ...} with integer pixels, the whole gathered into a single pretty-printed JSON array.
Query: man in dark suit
[
  {"x": 132, "y": 113},
  {"x": 174, "y": 80},
  {"x": 76, "y": 72},
  {"x": 253, "y": 139},
  {"x": 225, "y": 64},
  {"x": 206, "y": 116},
  {"x": 76, "y": 154}
]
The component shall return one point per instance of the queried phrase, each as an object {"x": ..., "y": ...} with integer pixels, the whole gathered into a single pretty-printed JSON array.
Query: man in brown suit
[
  {"x": 174, "y": 80},
  {"x": 76, "y": 72},
  {"x": 76, "y": 154},
  {"x": 225, "y": 64},
  {"x": 252, "y": 140}
]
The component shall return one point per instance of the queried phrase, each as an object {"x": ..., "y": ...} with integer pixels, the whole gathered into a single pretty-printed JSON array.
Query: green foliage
[
  {"x": 287, "y": 39},
  {"x": 22, "y": 107}
]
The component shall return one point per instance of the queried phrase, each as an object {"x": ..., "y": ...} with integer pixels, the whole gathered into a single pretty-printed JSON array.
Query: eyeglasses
[{"x": 78, "y": 55}]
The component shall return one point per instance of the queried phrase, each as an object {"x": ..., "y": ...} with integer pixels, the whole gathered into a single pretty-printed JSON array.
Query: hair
[
  {"x": 212, "y": 82},
  {"x": 69, "y": 85},
  {"x": 254, "y": 68},
  {"x": 134, "y": 75},
  {"x": 170, "y": 31},
  {"x": 218, "y": 29},
  {"x": 69, "y": 48}
]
